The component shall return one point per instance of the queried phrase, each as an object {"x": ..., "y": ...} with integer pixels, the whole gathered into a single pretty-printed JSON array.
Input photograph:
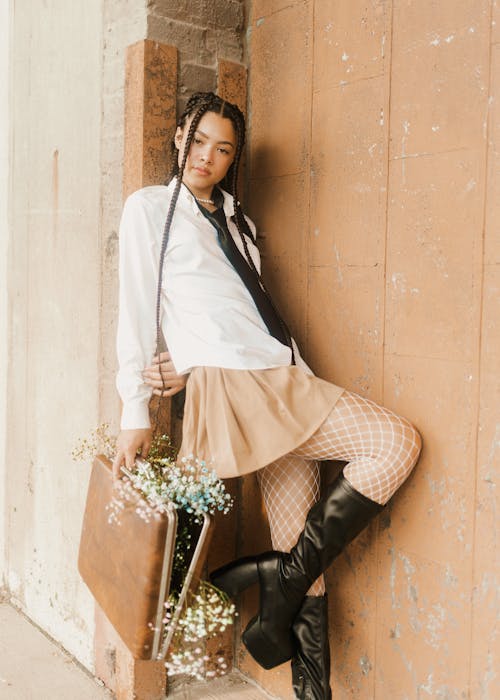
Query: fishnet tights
[{"x": 381, "y": 450}]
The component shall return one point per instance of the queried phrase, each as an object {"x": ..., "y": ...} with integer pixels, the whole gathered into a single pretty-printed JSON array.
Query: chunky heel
[
  {"x": 266, "y": 652},
  {"x": 235, "y": 577}
]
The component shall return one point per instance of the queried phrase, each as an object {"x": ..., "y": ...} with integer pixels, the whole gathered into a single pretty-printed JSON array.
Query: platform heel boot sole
[{"x": 266, "y": 652}]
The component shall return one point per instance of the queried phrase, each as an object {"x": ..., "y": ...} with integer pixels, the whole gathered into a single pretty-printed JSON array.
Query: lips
[{"x": 202, "y": 171}]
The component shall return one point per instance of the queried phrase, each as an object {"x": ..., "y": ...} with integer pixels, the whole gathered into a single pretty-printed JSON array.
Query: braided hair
[{"x": 198, "y": 104}]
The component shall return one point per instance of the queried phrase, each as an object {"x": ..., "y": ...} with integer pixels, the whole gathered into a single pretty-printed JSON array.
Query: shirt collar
[{"x": 185, "y": 195}]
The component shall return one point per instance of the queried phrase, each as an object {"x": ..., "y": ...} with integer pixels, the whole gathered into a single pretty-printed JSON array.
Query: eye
[
  {"x": 224, "y": 150},
  {"x": 197, "y": 140}
]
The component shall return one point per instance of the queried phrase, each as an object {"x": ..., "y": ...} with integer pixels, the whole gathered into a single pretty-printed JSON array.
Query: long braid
[{"x": 166, "y": 232}]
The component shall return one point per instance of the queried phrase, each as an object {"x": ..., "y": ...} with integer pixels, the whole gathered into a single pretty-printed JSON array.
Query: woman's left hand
[{"x": 164, "y": 367}]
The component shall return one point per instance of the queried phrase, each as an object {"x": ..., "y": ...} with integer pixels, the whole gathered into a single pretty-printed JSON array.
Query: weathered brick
[
  {"x": 220, "y": 13},
  {"x": 195, "y": 77}
]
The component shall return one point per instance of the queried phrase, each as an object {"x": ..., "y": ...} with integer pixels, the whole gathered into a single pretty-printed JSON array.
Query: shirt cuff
[{"x": 135, "y": 416}]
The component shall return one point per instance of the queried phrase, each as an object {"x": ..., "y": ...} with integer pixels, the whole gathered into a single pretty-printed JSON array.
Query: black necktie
[{"x": 275, "y": 325}]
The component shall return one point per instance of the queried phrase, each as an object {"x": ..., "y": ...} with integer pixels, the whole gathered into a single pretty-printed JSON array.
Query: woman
[{"x": 251, "y": 402}]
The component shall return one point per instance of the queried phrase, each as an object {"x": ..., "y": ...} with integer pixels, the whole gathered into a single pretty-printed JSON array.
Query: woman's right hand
[{"x": 129, "y": 444}]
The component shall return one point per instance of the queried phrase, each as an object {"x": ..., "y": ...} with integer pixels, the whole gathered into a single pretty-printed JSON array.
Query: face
[{"x": 212, "y": 151}]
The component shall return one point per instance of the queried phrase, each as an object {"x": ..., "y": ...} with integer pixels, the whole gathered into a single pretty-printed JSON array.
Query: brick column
[
  {"x": 150, "y": 113},
  {"x": 150, "y": 117}
]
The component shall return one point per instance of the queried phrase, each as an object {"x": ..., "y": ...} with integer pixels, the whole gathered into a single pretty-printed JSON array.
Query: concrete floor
[
  {"x": 232, "y": 687},
  {"x": 51, "y": 673},
  {"x": 32, "y": 667}
]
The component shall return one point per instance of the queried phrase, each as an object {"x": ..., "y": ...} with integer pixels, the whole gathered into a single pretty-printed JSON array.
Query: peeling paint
[
  {"x": 434, "y": 627},
  {"x": 398, "y": 281},
  {"x": 451, "y": 581},
  {"x": 396, "y": 632},
  {"x": 488, "y": 677},
  {"x": 365, "y": 665},
  {"x": 338, "y": 267},
  {"x": 427, "y": 687},
  {"x": 494, "y": 449}
]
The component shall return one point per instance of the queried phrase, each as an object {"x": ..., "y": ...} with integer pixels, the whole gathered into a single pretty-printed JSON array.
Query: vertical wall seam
[
  {"x": 480, "y": 340},
  {"x": 384, "y": 303},
  {"x": 9, "y": 280},
  {"x": 100, "y": 238},
  {"x": 383, "y": 314},
  {"x": 308, "y": 179},
  {"x": 239, "y": 543}
]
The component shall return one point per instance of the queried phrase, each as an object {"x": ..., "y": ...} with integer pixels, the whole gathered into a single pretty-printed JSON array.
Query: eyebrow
[{"x": 227, "y": 143}]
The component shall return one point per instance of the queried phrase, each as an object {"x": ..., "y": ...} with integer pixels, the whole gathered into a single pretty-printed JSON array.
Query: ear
[{"x": 178, "y": 137}]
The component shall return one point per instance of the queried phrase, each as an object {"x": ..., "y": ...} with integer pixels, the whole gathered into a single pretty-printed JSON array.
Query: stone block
[
  {"x": 349, "y": 174},
  {"x": 352, "y": 42},
  {"x": 281, "y": 108},
  {"x": 232, "y": 83},
  {"x": 277, "y": 205},
  {"x": 345, "y": 326},
  {"x": 150, "y": 113},
  {"x": 196, "y": 78},
  {"x": 434, "y": 251},
  {"x": 422, "y": 627},
  {"x": 432, "y": 513},
  {"x": 439, "y": 69},
  {"x": 492, "y": 224},
  {"x": 266, "y": 8},
  {"x": 221, "y": 13}
]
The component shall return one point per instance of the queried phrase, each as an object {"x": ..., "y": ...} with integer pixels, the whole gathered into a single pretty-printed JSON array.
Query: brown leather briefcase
[{"x": 127, "y": 565}]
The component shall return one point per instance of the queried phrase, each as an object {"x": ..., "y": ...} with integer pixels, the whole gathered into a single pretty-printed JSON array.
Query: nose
[{"x": 206, "y": 154}]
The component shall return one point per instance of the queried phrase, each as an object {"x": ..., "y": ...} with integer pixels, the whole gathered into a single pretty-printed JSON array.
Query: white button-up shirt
[{"x": 208, "y": 317}]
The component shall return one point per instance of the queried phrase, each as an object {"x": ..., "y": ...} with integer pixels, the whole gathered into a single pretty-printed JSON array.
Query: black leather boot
[
  {"x": 333, "y": 522},
  {"x": 311, "y": 663}
]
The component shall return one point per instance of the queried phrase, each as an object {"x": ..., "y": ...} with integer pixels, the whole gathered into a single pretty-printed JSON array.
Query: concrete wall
[
  {"x": 374, "y": 177},
  {"x": 50, "y": 250},
  {"x": 4, "y": 239}
]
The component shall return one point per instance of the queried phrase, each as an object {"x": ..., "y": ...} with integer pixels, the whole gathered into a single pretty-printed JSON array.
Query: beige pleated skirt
[{"x": 241, "y": 420}]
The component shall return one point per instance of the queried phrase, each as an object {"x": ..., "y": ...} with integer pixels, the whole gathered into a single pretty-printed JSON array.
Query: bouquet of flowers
[{"x": 194, "y": 489}]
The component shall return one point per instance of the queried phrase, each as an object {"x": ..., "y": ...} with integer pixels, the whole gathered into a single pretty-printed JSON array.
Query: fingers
[
  {"x": 162, "y": 357},
  {"x": 129, "y": 444},
  {"x": 156, "y": 372},
  {"x": 170, "y": 391},
  {"x": 124, "y": 458},
  {"x": 168, "y": 383},
  {"x": 163, "y": 378}
]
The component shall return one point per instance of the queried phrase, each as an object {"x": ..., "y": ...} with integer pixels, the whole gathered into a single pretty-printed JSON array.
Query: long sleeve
[{"x": 136, "y": 336}]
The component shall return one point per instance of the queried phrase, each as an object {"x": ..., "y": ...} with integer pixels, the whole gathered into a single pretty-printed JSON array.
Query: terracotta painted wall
[{"x": 375, "y": 182}]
